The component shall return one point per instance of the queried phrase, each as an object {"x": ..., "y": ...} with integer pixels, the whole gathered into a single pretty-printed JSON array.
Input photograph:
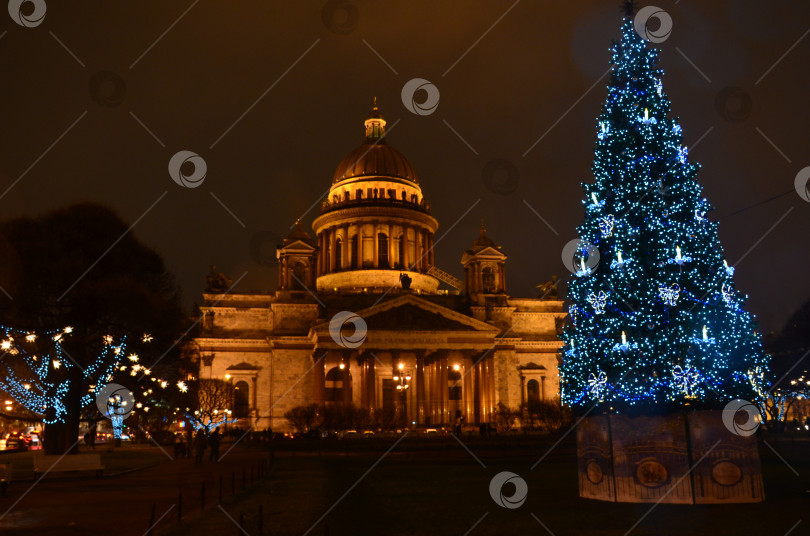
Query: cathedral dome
[
  {"x": 375, "y": 225},
  {"x": 377, "y": 160}
]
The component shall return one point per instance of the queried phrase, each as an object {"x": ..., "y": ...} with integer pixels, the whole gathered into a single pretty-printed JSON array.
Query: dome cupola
[{"x": 375, "y": 224}]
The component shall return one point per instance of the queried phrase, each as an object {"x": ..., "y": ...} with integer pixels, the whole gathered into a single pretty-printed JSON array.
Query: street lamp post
[{"x": 402, "y": 381}]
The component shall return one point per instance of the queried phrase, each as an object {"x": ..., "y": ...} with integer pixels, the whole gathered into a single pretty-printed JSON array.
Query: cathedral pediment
[
  {"x": 299, "y": 245},
  {"x": 411, "y": 313},
  {"x": 488, "y": 251},
  {"x": 243, "y": 366}
]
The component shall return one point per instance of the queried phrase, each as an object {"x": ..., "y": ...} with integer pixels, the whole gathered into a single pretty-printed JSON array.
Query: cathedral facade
[{"x": 358, "y": 316}]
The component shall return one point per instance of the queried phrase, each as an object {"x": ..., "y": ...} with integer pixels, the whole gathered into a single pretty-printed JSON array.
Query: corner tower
[
  {"x": 484, "y": 267},
  {"x": 375, "y": 223}
]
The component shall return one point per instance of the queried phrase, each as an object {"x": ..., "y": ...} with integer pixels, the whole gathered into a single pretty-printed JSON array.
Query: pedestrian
[
  {"x": 179, "y": 446},
  {"x": 93, "y": 434},
  {"x": 199, "y": 446},
  {"x": 213, "y": 442}
]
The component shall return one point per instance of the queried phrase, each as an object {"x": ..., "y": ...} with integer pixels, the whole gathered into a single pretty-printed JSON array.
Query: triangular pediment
[
  {"x": 243, "y": 366},
  {"x": 532, "y": 366},
  {"x": 298, "y": 245},
  {"x": 411, "y": 313},
  {"x": 488, "y": 253}
]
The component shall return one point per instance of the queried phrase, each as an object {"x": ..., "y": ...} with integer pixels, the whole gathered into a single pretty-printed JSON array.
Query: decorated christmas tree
[{"x": 657, "y": 322}]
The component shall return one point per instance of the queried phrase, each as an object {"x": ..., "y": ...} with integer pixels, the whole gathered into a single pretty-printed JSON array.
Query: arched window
[
  {"x": 338, "y": 254},
  {"x": 300, "y": 273},
  {"x": 488, "y": 280},
  {"x": 382, "y": 250},
  {"x": 533, "y": 392},
  {"x": 354, "y": 246},
  {"x": 333, "y": 389},
  {"x": 241, "y": 400}
]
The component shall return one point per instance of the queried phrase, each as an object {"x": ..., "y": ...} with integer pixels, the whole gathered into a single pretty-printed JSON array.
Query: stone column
[
  {"x": 375, "y": 244},
  {"x": 332, "y": 241},
  {"x": 476, "y": 390},
  {"x": 363, "y": 381},
  {"x": 360, "y": 245},
  {"x": 444, "y": 394},
  {"x": 419, "y": 253},
  {"x": 346, "y": 250},
  {"x": 405, "y": 256},
  {"x": 490, "y": 384},
  {"x": 467, "y": 387},
  {"x": 393, "y": 247},
  {"x": 420, "y": 387},
  {"x": 358, "y": 376},
  {"x": 370, "y": 382},
  {"x": 346, "y": 375}
]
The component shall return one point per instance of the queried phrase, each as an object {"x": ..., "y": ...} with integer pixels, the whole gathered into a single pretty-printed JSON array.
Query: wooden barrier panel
[
  {"x": 595, "y": 460},
  {"x": 648, "y": 459},
  {"x": 730, "y": 471}
]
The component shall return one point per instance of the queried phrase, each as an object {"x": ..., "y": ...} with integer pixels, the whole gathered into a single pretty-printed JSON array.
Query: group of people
[{"x": 199, "y": 443}]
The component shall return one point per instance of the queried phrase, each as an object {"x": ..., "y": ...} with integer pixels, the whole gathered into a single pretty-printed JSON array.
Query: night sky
[{"x": 98, "y": 97}]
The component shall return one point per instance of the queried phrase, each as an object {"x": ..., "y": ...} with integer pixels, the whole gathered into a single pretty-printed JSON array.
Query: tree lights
[
  {"x": 38, "y": 374},
  {"x": 668, "y": 328}
]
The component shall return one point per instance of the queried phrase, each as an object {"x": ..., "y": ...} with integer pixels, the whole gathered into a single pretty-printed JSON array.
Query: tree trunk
[{"x": 63, "y": 437}]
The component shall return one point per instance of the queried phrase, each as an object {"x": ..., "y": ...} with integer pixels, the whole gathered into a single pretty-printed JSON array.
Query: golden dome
[{"x": 375, "y": 158}]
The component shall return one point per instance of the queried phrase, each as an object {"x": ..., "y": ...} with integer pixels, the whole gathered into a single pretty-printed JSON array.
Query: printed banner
[
  {"x": 651, "y": 459},
  {"x": 594, "y": 459},
  {"x": 729, "y": 469}
]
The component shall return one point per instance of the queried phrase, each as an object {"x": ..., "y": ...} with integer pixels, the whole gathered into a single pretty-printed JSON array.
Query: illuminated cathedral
[{"x": 411, "y": 353}]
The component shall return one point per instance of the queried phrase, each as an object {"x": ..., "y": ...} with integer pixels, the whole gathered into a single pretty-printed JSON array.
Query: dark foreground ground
[{"x": 423, "y": 486}]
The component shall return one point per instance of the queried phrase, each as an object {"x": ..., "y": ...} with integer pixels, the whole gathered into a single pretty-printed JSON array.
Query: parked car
[{"x": 16, "y": 441}]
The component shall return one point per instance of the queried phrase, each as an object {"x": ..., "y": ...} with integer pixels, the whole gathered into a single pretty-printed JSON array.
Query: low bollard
[
  {"x": 261, "y": 520},
  {"x": 152, "y": 519}
]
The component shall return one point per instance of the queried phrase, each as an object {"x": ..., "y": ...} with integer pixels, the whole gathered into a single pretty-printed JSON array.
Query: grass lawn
[{"x": 434, "y": 486}]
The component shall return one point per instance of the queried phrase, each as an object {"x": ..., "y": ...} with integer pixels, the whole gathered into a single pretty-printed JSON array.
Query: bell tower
[
  {"x": 297, "y": 259},
  {"x": 484, "y": 267}
]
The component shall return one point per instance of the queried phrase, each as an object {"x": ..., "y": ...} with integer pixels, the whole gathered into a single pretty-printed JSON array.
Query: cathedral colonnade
[
  {"x": 375, "y": 245},
  {"x": 410, "y": 387}
]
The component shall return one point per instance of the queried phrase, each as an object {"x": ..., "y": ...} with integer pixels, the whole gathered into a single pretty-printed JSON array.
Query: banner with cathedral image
[
  {"x": 729, "y": 468},
  {"x": 594, "y": 459},
  {"x": 648, "y": 459}
]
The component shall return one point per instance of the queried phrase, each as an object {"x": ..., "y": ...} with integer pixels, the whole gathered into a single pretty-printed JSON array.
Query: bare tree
[{"x": 211, "y": 402}]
